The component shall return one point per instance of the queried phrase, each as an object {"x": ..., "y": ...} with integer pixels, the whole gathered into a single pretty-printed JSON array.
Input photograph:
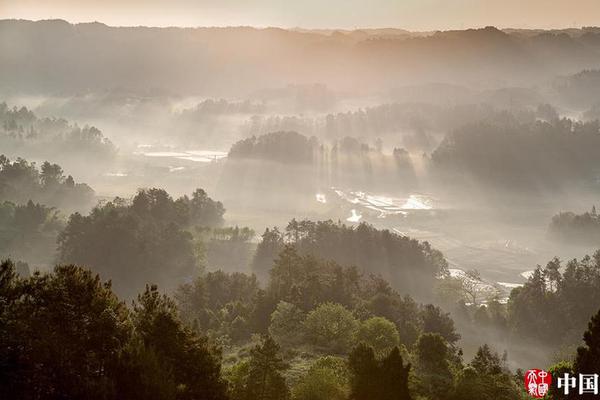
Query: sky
[{"x": 415, "y": 15}]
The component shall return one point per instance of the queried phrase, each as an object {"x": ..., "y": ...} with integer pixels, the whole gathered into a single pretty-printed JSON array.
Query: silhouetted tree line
[
  {"x": 582, "y": 229},
  {"x": 409, "y": 265},
  {"x": 288, "y": 147},
  {"x": 147, "y": 239},
  {"x": 22, "y": 130},
  {"x": 21, "y": 181},
  {"x": 66, "y": 335},
  {"x": 557, "y": 300},
  {"x": 317, "y": 312},
  {"x": 525, "y": 156}
]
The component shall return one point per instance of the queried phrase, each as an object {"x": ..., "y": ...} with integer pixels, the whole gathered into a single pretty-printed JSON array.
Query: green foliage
[
  {"x": 403, "y": 311},
  {"x": 559, "y": 370},
  {"x": 145, "y": 241},
  {"x": 409, "y": 265},
  {"x": 331, "y": 327},
  {"x": 378, "y": 333},
  {"x": 219, "y": 303},
  {"x": 178, "y": 349},
  {"x": 287, "y": 325},
  {"x": 327, "y": 379},
  {"x": 307, "y": 281},
  {"x": 436, "y": 321},
  {"x": 553, "y": 307},
  {"x": 65, "y": 335},
  {"x": 486, "y": 377},
  {"x": 261, "y": 376},
  {"x": 433, "y": 372},
  {"x": 61, "y": 335}
]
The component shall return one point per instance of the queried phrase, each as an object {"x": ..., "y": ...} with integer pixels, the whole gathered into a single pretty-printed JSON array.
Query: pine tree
[
  {"x": 587, "y": 360},
  {"x": 374, "y": 379},
  {"x": 395, "y": 377},
  {"x": 265, "y": 380}
]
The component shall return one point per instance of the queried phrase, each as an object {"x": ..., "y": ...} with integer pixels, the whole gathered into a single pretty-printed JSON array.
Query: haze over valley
[{"x": 428, "y": 190}]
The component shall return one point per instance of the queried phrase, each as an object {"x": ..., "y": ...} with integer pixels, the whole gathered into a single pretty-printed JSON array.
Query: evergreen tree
[
  {"x": 587, "y": 360},
  {"x": 370, "y": 378},
  {"x": 265, "y": 380}
]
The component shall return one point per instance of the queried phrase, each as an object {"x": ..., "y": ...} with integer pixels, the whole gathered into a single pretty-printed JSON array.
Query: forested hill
[{"x": 226, "y": 61}]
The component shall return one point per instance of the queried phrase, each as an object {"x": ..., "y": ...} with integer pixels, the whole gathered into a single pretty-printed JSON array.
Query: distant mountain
[{"x": 60, "y": 58}]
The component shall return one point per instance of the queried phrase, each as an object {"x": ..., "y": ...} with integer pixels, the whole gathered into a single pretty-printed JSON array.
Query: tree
[
  {"x": 486, "y": 377},
  {"x": 587, "y": 359},
  {"x": 65, "y": 335},
  {"x": 195, "y": 366},
  {"x": 331, "y": 327},
  {"x": 327, "y": 379},
  {"x": 51, "y": 174},
  {"x": 265, "y": 380},
  {"x": 385, "y": 379},
  {"x": 436, "y": 321},
  {"x": 380, "y": 334},
  {"x": 364, "y": 373},
  {"x": 432, "y": 366},
  {"x": 61, "y": 335},
  {"x": 395, "y": 376},
  {"x": 266, "y": 252},
  {"x": 559, "y": 370},
  {"x": 287, "y": 324},
  {"x": 133, "y": 244}
]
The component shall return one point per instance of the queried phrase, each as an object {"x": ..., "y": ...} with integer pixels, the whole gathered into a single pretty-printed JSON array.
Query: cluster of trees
[
  {"x": 411, "y": 266},
  {"x": 418, "y": 123},
  {"x": 303, "y": 295},
  {"x": 256, "y": 165},
  {"x": 541, "y": 321},
  {"x": 212, "y": 107},
  {"x": 525, "y": 156},
  {"x": 228, "y": 248},
  {"x": 66, "y": 335},
  {"x": 28, "y": 231},
  {"x": 305, "y": 164},
  {"x": 574, "y": 228},
  {"x": 22, "y": 130},
  {"x": 21, "y": 181},
  {"x": 288, "y": 147},
  {"x": 147, "y": 239},
  {"x": 557, "y": 300},
  {"x": 333, "y": 333}
]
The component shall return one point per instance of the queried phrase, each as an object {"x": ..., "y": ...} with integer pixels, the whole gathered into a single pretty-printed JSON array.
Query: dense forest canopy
[
  {"x": 145, "y": 240},
  {"x": 539, "y": 155},
  {"x": 409, "y": 265}
]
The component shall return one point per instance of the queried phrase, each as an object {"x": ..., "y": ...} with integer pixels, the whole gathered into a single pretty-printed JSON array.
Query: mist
[{"x": 435, "y": 188}]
